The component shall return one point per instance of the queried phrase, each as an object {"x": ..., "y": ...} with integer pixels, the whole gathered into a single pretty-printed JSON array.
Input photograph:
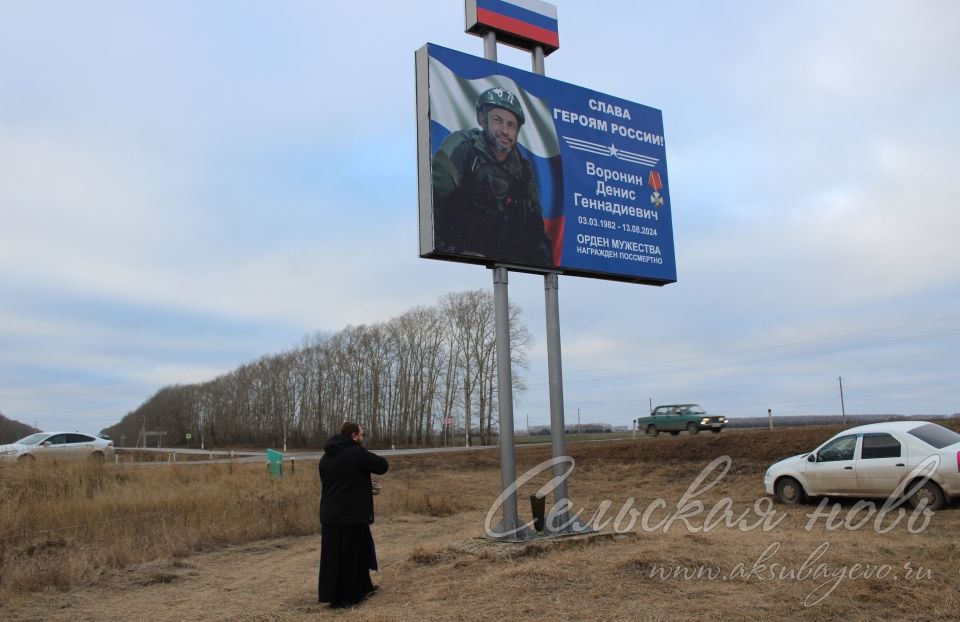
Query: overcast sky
[{"x": 187, "y": 186}]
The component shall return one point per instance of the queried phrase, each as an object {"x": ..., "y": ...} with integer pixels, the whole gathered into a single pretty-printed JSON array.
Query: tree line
[
  {"x": 12, "y": 430},
  {"x": 425, "y": 377}
]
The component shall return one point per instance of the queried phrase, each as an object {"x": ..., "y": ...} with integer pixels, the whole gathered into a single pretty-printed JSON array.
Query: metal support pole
[
  {"x": 508, "y": 463},
  {"x": 508, "y": 467},
  {"x": 490, "y": 46},
  {"x": 538, "y": 61},
  {"x": 551, "y": 284}
]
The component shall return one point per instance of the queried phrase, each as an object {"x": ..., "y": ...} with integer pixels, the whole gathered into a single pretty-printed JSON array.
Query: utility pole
[
  {"x": 579, "y": 428},
  {"x": 843, "y": 410}
]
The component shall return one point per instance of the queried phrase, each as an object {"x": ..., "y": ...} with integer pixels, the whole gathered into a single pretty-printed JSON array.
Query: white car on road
[
  {"x": 872, "y": 461},
  {"x": 58, "y": 446}
]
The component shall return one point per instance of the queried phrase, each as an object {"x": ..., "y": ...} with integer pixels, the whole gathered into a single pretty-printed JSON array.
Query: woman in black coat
[{"x": 346, "y": 513}]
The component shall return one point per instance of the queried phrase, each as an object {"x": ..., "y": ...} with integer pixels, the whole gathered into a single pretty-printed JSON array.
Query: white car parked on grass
[
  {"x": 58, "y": 446},
  {"x": 872, "y": 461}
]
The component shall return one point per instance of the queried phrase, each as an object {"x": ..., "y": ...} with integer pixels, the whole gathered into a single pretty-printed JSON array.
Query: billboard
[{"x": 522, "y": 170}]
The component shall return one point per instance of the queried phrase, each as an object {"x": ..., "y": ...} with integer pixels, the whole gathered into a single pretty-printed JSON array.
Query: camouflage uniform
[{"x": 486, "y": 208}]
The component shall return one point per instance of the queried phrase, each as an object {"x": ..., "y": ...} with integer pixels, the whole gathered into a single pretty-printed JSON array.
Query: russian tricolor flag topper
[{"x": 525, "y": 24}]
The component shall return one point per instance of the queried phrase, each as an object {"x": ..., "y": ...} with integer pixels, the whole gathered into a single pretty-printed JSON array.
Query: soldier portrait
[{"x": 485, "y": 197}]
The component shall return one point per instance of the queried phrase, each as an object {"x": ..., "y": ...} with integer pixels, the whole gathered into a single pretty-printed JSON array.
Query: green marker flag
[{"x": 275, "y": 463}]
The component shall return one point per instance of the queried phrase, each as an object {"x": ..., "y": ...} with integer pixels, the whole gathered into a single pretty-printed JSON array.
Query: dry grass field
[{"x": 226, "y": 542}]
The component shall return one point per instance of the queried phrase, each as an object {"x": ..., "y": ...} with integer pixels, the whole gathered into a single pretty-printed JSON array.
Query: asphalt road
[{"x": 175, "y": 455}]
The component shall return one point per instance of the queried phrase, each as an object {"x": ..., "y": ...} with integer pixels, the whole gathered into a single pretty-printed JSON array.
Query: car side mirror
[
  {"x": 812, "y": 458},
  {"x": 46, "y": 443}
]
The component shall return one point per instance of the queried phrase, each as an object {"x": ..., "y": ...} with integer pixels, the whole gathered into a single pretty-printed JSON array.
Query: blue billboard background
[{"x": 599, "y": 162}]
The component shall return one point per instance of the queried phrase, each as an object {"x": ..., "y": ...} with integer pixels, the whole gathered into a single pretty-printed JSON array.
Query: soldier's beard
[{"x": 497, "y": 146}]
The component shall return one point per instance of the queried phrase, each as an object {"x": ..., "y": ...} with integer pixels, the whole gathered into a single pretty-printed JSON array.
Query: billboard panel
[{"x": 519, "y": 169}]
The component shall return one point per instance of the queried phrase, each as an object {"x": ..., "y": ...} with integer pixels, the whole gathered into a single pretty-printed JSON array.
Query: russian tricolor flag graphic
[{"x": 531, "y": 20}]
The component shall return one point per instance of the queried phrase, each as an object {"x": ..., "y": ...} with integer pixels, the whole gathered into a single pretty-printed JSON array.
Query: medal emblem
[{"x": 656, "y": 199}]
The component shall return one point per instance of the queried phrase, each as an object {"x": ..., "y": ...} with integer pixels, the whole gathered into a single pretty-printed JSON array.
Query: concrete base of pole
[
  {"x": 523, "y": 534},
  {"x": 529, "y": 535}
]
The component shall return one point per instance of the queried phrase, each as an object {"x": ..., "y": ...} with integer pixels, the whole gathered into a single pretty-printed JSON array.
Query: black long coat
[{"x": 346, "y": 496}]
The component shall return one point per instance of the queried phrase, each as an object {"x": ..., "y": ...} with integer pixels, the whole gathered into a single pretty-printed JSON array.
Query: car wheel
[
  {"x": 674, "y": 432},
  {"x": 789, "y": 491},
  {"x": 96, "y": 457},
  {"x": 652, "y": 430},
  {"x": 692, "y": 428},
  {"x": 27, "y": 459},
  {"x": 930, "y": 494}
]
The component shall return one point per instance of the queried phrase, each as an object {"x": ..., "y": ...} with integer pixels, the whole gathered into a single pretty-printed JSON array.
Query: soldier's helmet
[{"x": 500, "y": 98}]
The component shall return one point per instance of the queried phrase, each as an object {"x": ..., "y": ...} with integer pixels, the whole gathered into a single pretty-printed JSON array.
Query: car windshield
[
  {"x": 936, "y": 435},
  {"x": 33, "y": 439}
]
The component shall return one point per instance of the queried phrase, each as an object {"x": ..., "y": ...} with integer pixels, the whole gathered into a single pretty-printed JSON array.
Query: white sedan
[
  {"x": 58, "y": 446},
  {"x": 874, "y": 461}
]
